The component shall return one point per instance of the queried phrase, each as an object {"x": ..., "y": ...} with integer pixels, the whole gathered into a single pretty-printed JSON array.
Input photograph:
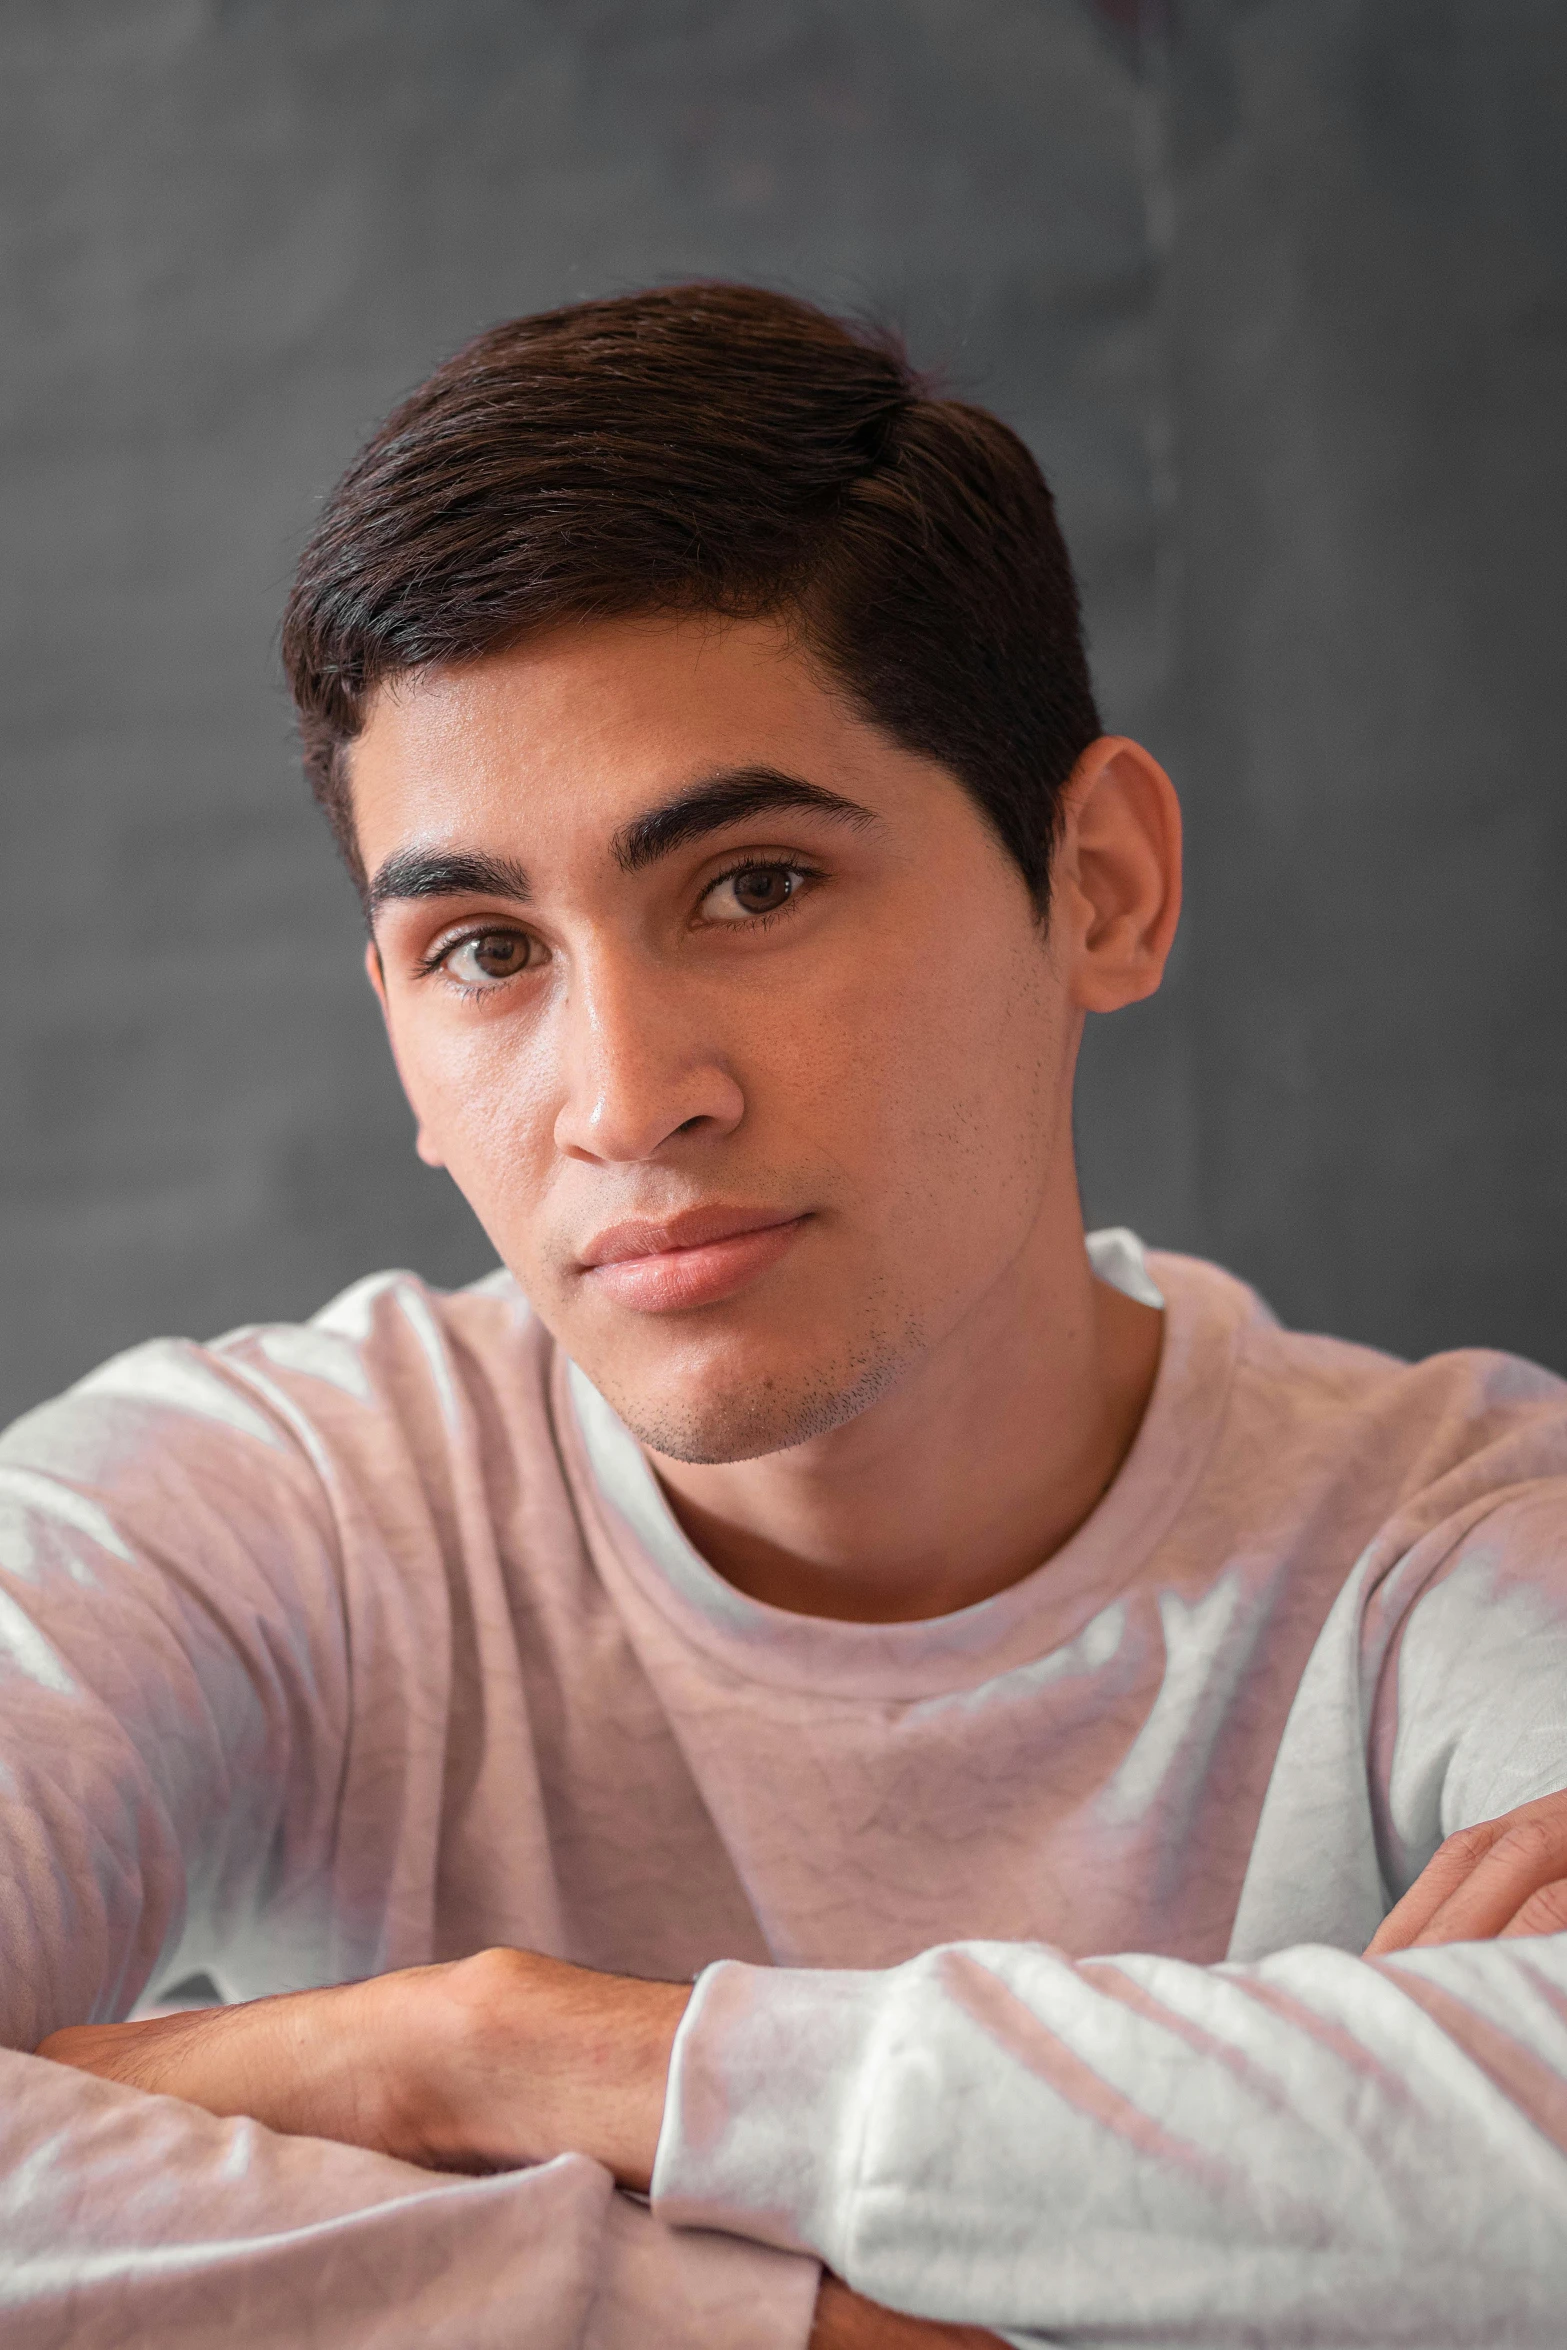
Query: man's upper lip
[{"x": 641, "y": 1236}]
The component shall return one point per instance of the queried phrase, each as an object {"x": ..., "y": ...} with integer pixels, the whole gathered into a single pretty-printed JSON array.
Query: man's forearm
[
  {"x": 482, "y": 2064},
  {"x": 506, "y": 2059},
  {"x": 130, "y": 2219},
  {"x": 1315, "y": 2143}
]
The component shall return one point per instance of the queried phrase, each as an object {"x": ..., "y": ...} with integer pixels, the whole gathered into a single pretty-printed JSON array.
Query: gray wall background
[{"x": 1275, "y": 288}]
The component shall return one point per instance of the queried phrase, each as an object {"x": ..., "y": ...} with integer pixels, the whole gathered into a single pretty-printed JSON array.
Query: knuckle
[
  {"x": 1529, "y": 1839},
  {"x": 1545, "y": 1912},
  {"x": 1466, "y": 1846}
]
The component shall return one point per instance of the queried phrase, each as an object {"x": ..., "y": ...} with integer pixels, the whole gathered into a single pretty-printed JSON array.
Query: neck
[{"x": 982, "y": 1460}]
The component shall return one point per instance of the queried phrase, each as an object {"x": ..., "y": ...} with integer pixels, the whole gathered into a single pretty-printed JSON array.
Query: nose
[{"x": 637, "y": 1067}]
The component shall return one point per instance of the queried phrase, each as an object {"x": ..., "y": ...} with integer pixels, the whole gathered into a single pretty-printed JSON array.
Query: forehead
[{"x": 583, "y": 727}]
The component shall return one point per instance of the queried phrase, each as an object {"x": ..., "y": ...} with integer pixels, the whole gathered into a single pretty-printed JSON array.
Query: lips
[{"x": 692, "y": 1259}]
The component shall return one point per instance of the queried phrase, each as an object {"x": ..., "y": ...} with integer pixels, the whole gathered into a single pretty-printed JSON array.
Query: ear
[
  {"x": 1116, "y": 876},
  {"x": 375, "y": 972}
]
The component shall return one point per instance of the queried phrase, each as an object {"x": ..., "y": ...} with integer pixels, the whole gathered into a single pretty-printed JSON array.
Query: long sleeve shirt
[{"x": 1025, "y": 1937}]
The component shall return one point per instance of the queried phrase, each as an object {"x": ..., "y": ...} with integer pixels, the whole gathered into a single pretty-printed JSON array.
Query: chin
[{"x": 722, "y": 1412}]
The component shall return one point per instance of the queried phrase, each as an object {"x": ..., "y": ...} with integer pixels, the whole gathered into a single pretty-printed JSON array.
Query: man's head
[
  {"x": 700, "y": 704},
  {"x": 709, "y": 449}
]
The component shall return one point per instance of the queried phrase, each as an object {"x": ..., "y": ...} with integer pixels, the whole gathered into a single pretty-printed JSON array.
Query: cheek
[
  {"x": 482, "y": 1100},
  {"x": 935, "y": 1080}
]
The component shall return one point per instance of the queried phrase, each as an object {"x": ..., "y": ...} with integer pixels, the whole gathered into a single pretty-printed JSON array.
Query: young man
[{"x": 812, "y": 1694}]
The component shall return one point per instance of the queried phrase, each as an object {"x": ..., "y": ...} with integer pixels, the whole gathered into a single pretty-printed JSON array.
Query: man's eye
[
  {"x": 751, "y": 890},
  {"x": 488, "y": 957}
]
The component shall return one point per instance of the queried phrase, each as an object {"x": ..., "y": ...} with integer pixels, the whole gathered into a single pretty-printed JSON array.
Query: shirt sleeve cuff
[
  {"x": 663, "y": 2288},
  {"x": 767, "y": 2103}
]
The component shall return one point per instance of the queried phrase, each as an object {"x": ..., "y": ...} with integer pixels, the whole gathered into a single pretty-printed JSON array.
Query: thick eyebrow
[
  {"x": 724, "y": 799},
  {"x": 709, "y": 806},
  {"x": 436, "y": 873}
]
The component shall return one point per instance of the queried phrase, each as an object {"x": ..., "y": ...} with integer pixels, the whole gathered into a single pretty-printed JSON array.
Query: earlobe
[
  {"x": 1119, "y": 867},
  {"x": 375, "y": 972}
]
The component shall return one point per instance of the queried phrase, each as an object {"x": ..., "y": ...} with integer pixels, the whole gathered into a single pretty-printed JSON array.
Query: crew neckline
[{"x": 620, "y": 1499}]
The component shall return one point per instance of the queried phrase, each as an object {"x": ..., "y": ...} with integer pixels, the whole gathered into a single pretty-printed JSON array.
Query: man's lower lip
[{"x": 676, "y": 1278}]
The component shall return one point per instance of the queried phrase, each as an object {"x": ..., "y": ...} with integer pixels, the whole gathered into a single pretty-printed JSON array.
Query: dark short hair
[{"x": 709, "y": 448}]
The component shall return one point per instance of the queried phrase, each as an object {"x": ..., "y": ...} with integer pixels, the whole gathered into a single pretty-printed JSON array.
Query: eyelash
[
  {"x": 435, "y": 961},
  {"x": 802, "y": 872},
  {"x": 428, "y": 966}
]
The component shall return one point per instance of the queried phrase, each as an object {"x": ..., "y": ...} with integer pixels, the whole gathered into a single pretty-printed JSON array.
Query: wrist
[
  {"x": 480, "y": 2064},
  {"x": 533, "y": 2058}
]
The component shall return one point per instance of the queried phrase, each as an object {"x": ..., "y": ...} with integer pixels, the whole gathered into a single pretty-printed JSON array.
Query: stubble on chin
[{"x": 729, "y": 1419}]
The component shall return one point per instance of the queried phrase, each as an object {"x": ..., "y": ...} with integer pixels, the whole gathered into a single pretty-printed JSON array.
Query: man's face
[{"x": 758, "y": 1093}]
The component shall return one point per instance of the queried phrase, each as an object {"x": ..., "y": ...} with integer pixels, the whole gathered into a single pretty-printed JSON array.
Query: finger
[
  {"x": 1531, "y": 1854},
  {"x": 1438, "y": 1881},
  {"x": 1545, "y": 1912},
  {"x": 1480, "y": 1878}
]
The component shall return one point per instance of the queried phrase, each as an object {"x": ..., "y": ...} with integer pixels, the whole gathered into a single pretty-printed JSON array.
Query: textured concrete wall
[
  {"x": 1365, "y": 305},
  {"x": 1276, "y": 293}
]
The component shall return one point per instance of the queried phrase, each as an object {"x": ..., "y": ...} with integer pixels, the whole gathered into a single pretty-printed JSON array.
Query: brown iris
[{"x": 762, "y": 889}]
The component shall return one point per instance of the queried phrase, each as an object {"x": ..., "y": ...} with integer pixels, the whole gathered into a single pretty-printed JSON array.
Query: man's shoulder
[
  {"x": 389, "y": 1365},
  {"x": 1328, "y": 1411},
  {"x": 390, "y": 1326}
]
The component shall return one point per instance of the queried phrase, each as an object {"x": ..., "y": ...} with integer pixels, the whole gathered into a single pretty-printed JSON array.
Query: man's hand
[
  {"x": 1504, "y": 1877},
  {"x": 507, "y": 2058},
  {"x": 482, "y": 2064},
  {"x": 488, "y": 2062}
]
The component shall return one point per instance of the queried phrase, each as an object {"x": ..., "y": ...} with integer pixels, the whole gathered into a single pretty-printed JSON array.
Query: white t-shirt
[{"x": 1026, "y": 1935}]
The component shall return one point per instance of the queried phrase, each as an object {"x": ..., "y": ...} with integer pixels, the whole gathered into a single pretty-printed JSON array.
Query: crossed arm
[
  {"x": 481, "y": 2064},
  {"x": 508, "y": 2058}
]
